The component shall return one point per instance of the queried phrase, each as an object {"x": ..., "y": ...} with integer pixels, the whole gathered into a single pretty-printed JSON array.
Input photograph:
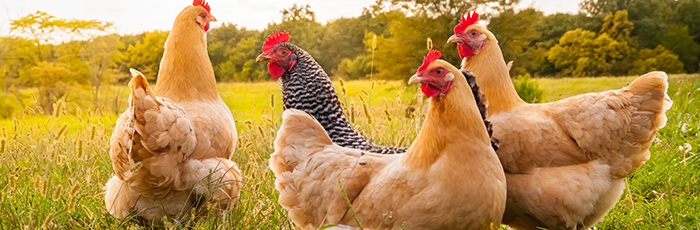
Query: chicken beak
[
  {"x": 262, "y": 58},
  {"x": 415, "y": 79},
  {"x": 212, "y": 18},
  {"x": 455, "y": 39}
]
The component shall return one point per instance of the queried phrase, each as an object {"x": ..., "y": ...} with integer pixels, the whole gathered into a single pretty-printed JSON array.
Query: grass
[
  {"x": 559, "y": 88},
  {"x": 54, "y": 167}
]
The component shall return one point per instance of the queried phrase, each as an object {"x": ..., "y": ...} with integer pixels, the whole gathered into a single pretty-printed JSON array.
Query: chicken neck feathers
[
  {"x": 307, "y": 87},
  {"x": 185, "y": 73}
]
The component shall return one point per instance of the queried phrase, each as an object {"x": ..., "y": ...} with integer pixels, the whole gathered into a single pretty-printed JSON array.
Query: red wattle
[
  {"x": 275, "y": 70},
  {"x": 429, "y": 91},
  {"x": 465, "y": 51},
  {"x": 449, "y": 83}
]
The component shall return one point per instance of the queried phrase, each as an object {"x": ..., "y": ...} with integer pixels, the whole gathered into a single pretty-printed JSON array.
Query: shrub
[
  {"x": 7, "y": 106},
  {"x": 659, "y": 58},
  {"x": 528, "y": 89}
]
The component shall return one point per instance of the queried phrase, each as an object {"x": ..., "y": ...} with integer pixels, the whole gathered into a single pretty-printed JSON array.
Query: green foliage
[
  {"x": 145, "y": 55},
  {"x": 399, "y": 53},
  {"x": 688, "y": 13},
  {"x": 678, "y": 40},
  {"x": 659, "y": 59},
  {"x": 8, "y": 106},
  {"x": 516, "y": 33},
  {"x": 439, "y": 7},
  {"x": 648, "y": 16},
  {"x": 228, "y": 52},
  {"x": 581, "y": 53},
  {"x": 356, "y": 68},
  {"x": 618, "y": 27},
  {"x": 43, "y": 27},
  {"x": 240, "y": 62},
  {"x": 528, "y": 90}
]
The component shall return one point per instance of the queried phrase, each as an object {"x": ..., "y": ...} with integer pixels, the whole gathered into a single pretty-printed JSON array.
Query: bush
[
  {"x": 528, "y": 90},
  {"x": 8, "y": 106},
  {"x": 659, "y": 58}
]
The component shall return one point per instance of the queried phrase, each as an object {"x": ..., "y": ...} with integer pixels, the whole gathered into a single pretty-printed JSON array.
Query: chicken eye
[
  {"x": 283, "y": 52},
  {"x": 473, "y": 33},
  {"x": 439, "y": 71}
]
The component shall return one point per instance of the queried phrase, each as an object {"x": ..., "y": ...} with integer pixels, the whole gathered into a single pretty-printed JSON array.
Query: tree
[
  {"x": 240, "y": 63},
  {"x": 343, "y": 39},
  {"x": 619, "y": 28},
  {"x": 56, "y": 67},
  {"x": 688, "y": 13},
  {"x": 354, "y": 68},
  {"x": 52, "y": 79},
  {"x": 581, "y": 53},
  {"x": 649, "y": 17},
  {"x": 145, "y": 55},
  {"x": 221, "y": 40},
  {"x": 516, "y": 34},
  {"x": 43, "y": 28},
  {"x": 655, "y": 59},
  {"x": 304, "y": 30},
  {"x": 436, "y": 8},
  {"x": 399, "y": 54},
  {"x": 101, "y": 55},
  {"x": 677, "y": 39}
]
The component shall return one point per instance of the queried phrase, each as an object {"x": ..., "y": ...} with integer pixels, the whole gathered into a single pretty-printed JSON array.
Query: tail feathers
[
  {"x": 653, "y": 87},
  {"x": 652, "y": 102},
  {"x": 163, "y": 139},
  {"x": 298, "y": 130},
  {"x": 482, "y": 103}
]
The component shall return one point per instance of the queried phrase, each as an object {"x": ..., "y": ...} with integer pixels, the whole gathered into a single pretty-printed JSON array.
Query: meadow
[{"x": 55, "y": 166}]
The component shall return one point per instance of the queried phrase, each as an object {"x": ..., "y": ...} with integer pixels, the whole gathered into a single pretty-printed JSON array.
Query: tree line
[{"x": 387, "y": 41}]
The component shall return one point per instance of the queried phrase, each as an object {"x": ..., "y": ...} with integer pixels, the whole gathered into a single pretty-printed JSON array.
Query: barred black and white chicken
[{"x": 307, "y": 87}]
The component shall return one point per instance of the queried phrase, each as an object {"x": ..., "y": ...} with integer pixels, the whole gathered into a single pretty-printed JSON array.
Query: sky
[{"x": 135, "y": 16}]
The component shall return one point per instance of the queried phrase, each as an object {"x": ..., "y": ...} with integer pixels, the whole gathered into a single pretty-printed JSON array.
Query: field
[{"x": 54, "y": 167}]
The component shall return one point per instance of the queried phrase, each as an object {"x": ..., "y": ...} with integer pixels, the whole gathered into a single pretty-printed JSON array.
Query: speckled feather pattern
[{"x": 307, "y": 87}]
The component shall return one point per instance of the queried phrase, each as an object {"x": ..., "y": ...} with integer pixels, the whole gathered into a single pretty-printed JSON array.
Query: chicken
[
  {"x": 565, "y": 161},
  {"x": 449, "y": 178},
  {"x": 170, "y": 149},
  {"x": 305, "y": 86}
]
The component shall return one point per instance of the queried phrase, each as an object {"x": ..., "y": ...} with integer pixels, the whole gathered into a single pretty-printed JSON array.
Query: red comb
[
  {"x": 467, "y": 20},
  {"x": 432, "y": 56},
  {"x": 203, "y": 4},
  {"x": 274, "y": 39}
]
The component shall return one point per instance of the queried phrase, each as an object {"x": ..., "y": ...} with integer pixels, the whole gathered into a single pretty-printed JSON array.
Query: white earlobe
[
  {"x": 482, "y": 37},
  {"x": 449, "y": 77}
]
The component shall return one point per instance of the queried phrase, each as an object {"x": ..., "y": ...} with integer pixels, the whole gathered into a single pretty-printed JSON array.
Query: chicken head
[
  {"x": 470, "y": 37},
  {"x": 280, "y": 58},
  {"x": 204, "y": 14},
  {"x": 433, "y": 79}
]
